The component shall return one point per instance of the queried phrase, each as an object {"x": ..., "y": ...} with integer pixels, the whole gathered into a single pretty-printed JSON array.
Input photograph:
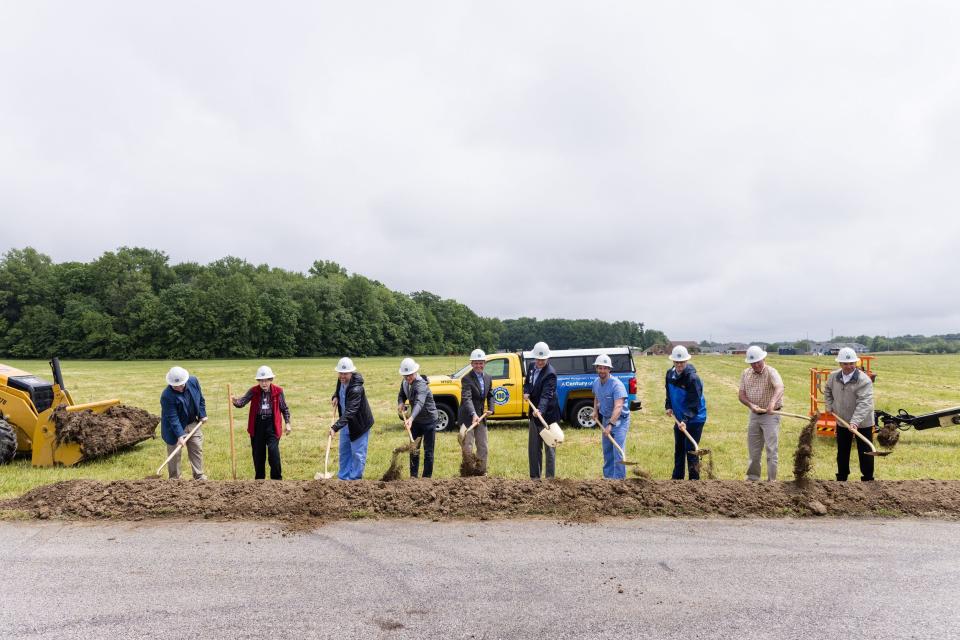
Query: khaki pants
[
  {"x": 194, "y": 448},
  {"x": 763, "y": 434},
  {"x": 478, "y": 433}
]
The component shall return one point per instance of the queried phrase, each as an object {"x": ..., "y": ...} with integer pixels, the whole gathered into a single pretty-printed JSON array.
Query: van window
[{"x": 573, "y": 365}]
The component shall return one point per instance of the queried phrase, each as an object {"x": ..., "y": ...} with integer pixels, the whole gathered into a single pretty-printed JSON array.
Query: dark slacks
[
  {"x": 537, "y": 449},
  {"x": 266, "y": 446},
  {"x": 683, "y": 452},
  {"x": 429, "y": 433},
  {"x": 844, "y": 439}
]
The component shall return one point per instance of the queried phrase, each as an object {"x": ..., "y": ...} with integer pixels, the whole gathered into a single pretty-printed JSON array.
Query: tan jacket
[{"x": 852, "y": 401}]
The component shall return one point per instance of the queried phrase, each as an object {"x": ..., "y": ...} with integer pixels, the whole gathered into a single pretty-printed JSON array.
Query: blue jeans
[
  {"x": 612, "y": 469},
  {"x": 353, "y": 455},
  {"x": 683, "y": 450}
]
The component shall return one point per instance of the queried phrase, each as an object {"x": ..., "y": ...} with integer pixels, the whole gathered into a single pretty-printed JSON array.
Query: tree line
[
  {"x": 947, "y": 343},
  {"x": 133, "y": 304}
]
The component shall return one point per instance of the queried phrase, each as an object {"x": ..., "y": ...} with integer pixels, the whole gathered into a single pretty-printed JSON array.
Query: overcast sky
[{"x": 753, "y": 170}]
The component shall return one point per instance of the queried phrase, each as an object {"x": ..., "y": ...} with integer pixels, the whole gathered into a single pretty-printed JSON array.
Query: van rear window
[{"x": 570, "y": 365}]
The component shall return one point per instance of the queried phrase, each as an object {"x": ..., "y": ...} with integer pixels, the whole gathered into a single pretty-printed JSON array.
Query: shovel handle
[
  {"x": 326, "y": 461},
  {"x": 623, "y": 455},
  {"x": 854, "y": 431},
  {"x": 539, "y": 415},
  {"x": 696, "y": 447},
  {"x": 482, "y": 418},
  {"x": 180, "y": 446},
  {"x": 791, "y": 415}
]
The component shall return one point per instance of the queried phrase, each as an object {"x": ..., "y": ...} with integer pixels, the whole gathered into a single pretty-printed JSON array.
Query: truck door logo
[{"x": 501, "y": 396}]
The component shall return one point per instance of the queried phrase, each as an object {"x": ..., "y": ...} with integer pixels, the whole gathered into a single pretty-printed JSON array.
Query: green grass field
[{"x": 915, "y": 383}]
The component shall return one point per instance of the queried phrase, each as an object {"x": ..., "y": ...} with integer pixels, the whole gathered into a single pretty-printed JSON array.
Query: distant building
[{"x": 833, "y": 348}]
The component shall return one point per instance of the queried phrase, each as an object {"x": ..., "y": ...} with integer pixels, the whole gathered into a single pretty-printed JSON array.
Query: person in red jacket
[{"x": 267, "y": 409}]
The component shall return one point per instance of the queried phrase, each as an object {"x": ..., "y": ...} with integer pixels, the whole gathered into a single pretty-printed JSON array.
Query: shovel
[
  {"x": 180, "y": 446},
  {"x": 792, "y": 415},
  {"x": 697, "y": 451},
  {"x": 551, "y": 433},
  {"x": 414, "y": 445},
  {"x": 873, "y": 450},
  {"x": 326, "y": 475},
  {"x": 464, "y": 430}
]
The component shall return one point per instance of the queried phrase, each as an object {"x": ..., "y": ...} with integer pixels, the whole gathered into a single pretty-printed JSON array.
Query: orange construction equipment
[{"x": 826, "y": 423}]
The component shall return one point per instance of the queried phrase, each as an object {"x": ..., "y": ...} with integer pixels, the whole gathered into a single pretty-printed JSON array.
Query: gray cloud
[{"x": 750, "y": 171}]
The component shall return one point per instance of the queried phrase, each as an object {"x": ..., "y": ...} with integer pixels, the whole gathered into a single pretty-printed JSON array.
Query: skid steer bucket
[{"x": 47, "y": 451}]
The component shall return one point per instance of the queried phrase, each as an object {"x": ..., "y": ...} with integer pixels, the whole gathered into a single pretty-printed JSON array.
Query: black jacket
[
  {"x": 544, "y": 393},
  {"x": 471, "y": 399},
  {"x": 357, "y": 414}
]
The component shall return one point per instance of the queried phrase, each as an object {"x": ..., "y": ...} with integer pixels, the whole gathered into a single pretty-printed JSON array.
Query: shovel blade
[
  {"x": 879, "y": 454},
  {"x": 322, "y": 476}
]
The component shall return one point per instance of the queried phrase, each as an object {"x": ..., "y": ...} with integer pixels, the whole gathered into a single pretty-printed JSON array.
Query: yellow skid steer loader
[{"x": 41, "y": 418}]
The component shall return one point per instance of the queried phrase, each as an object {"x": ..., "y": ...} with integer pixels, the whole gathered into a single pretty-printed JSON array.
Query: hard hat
[
  {"x": 755, "y": 354},
  {"x": 847, "y": 354},
  {"x": 477, "y": 354},
  {"x": 603, "y": 360},
  {"x": 408, "y": 366},
  {"x": 541, "y": 351},
  {"x": 177, "y": 376},
  {"x": 345, "y": 366},
  {"x": 680, "y": 354},
  {"x": 264, "y": 373}
]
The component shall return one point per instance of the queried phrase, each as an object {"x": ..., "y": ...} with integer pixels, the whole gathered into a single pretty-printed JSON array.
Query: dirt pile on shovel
[
  {"x": 471, "y": 465},
  {"x": 803, "y": 456},
  {"x": 99, "y": 434},
  {"x": 888, "y": 436},
  {"x": 393, "y": 473},
  {"x": 302, "y": 503}
]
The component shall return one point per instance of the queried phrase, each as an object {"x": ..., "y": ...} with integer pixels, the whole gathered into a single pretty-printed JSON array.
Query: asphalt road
[{"x": 522, "y": 579}]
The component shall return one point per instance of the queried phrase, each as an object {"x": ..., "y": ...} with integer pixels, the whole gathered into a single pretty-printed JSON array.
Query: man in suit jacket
[
  {"x": 476, "y": 391},
  {"x": 541, "y": 389}
]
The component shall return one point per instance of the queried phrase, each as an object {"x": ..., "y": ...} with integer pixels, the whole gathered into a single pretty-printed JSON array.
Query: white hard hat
[
  {"x": 603, "y": 360},
  {"x": 541, "y": 351},
  {"x": 477, "y": 354},
  {"x": 177, "y": 376},
  {"x": 264, "y": 373},
  {"x": 680, "y": 354},
  {"x": 755, "y": 354},
  {"x": 408, "y": 366},
  {"x": 345, "y": 366},
  {"x": 847, "y": 355}
]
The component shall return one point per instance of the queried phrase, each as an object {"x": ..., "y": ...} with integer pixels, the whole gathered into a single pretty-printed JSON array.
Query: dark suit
[
  {"x": 472, "y": 401},
  {"x": 543, "y": 394}
]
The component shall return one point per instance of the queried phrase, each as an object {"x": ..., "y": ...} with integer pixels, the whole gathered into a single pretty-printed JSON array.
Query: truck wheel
[
  {"x": 8, "y": 442},
  {"x": 445, "y": 416},
  {"x": 581, "y": 414}
]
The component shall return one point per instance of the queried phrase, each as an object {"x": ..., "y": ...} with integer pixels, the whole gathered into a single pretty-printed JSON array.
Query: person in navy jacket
[
  {"x": 540, "y": 388},
  {"x": 181, "y": 407},
  {"x": 686, "y": 405}
]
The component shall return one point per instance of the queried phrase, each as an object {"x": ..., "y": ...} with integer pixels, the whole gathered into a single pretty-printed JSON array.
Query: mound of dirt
[
  {"x": 99, "y": 434},
  {"x": 301, "y": 503}
]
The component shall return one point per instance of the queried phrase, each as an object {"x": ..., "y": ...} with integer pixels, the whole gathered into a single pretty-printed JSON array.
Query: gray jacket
[
  {"x": 423, "y": 409},
  {"x": 852, "y": 401}
]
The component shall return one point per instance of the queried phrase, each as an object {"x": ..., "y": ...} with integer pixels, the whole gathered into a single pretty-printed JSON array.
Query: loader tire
[{"x": 8, "y": 442}]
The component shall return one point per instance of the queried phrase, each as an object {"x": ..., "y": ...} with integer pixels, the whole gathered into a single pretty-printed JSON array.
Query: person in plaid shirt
[{"x": 761, "y": 390}]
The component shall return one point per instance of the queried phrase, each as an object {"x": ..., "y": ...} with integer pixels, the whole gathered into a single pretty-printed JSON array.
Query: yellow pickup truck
[{"x": 575, "y": 376}]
